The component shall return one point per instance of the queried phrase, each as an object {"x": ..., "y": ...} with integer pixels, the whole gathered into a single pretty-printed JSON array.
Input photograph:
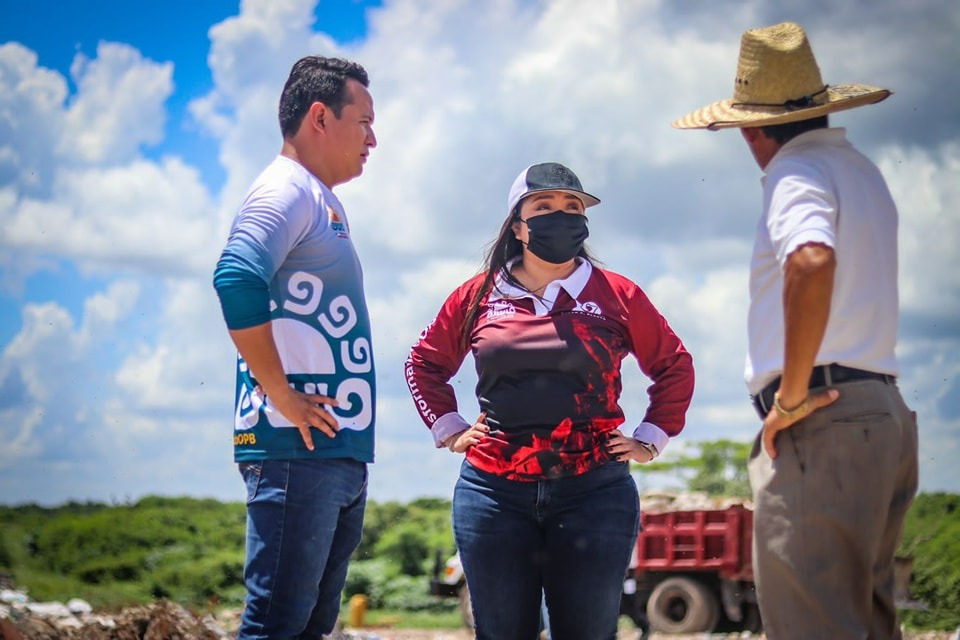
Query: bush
[
  {"x": 186, "y": 549},
  {"x": 203, "y": 579},
  {"x": 369, "y": 578},
  {"x": 126, "y": 567},
  {"x": 408, "y": 546},
  {"x": 413, "y": 594},
  {"x": 931, "y": 537},
  {"x": 6, "y": 558}
]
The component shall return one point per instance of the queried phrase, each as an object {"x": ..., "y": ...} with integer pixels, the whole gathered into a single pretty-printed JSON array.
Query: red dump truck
[{"x": 691, "y": 572}]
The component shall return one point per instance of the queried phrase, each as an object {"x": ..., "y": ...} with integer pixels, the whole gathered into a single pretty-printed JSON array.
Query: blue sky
[
  {"x": 129, "y": 132},
  {"x": 175, "y": 31}
]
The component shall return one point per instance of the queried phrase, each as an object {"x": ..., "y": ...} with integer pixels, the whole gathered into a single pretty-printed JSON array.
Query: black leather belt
[{"x": 825, "y": 375}]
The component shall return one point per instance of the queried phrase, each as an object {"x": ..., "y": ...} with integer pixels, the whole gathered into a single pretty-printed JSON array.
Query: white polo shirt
[{"x": 818, "y": 188}]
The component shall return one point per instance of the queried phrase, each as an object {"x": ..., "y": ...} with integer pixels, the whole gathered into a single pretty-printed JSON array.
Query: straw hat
[{"x": 778, "y": 81}]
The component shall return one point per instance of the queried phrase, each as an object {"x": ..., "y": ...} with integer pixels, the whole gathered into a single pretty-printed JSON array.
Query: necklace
[
  {"x": 539, "y": 289},
  {"x": 525, "y": 278}
]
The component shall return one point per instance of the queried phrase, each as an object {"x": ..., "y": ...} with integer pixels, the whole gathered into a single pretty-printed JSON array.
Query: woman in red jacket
[{"x": 545, "y": 502}]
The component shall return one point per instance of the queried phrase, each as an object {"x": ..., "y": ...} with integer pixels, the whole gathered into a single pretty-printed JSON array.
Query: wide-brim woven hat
[{"x": 778, "y": 81}]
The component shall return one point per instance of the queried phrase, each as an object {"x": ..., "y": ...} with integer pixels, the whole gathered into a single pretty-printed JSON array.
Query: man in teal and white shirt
[{"x": 291, "y": 289}]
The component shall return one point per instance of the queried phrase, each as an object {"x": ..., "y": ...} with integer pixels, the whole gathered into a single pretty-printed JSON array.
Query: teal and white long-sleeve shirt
[{"x": 289, "y": 260}]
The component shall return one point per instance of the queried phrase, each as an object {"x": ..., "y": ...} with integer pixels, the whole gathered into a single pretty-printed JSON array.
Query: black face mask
[{"x": 557, "y": 237}]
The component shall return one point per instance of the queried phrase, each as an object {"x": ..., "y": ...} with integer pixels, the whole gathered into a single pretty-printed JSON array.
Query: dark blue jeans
[
  {"x": 304, "y": 519},
  {"x": 569, "y": 539}
]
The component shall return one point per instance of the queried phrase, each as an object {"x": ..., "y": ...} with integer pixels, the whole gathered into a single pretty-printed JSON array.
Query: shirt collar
[
  {"x": 572, "y": 284},
  {"x": 826, "y": 135}
]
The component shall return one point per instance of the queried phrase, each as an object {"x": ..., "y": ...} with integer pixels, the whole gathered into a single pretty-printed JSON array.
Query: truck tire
[
  {"x": 632, "y": 606},
  {"x": 682, "y": 605},
  {"x": 466, "y": 607},
  {"x": 751, "y": 619}
]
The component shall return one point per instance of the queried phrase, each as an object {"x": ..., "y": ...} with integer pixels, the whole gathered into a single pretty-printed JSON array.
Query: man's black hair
[
  {"x": 783, "y": 133},
  {"x": 316, "y": 79}
]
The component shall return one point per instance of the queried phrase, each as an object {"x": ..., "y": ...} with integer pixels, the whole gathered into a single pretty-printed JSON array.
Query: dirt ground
[
  {"x": 411, "y": 634},
  {"x": 166, "y": 621},
  {"x": 230, "y": 623}
]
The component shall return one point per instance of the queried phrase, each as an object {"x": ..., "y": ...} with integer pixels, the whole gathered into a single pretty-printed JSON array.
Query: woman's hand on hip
[
  {"x": 460, "y": 442},
  {"x": 627, "y": 449}
]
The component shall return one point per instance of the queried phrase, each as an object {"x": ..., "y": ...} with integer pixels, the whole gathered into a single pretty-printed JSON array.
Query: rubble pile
[
  {"x": 659, "y": 501},
  {"x": 22, "y": 619}
]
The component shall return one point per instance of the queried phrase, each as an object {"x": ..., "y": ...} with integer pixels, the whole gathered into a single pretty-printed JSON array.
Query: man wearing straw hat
[{"x": 834, "y": 467}]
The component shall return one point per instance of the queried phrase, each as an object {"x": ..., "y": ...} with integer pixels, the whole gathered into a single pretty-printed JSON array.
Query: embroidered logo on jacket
[
  {"x": 588, "y": 307},
  {"x": 500, "y": 308}
]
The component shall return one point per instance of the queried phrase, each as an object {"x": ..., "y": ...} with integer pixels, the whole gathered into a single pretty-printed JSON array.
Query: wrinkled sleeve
[
  {"x": 270, "y": 222},
  {"x": 663, "y": 359},
  {"x": 433, "y": 361},
  {"x": 802, "y": 209}
]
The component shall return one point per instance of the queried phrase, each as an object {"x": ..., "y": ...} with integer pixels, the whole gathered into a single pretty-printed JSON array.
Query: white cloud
[
  {"x": 924, "y": 183},
  {"x": 47, "y": 337},
  {"x": 102, "y": 312},
  {"x": 144, "y": 215},
  {"x": 76, "y": 430},
  {"x": 710, "y": 316},
  {"x": 31, "y": 102},
  {"x": 187, "y": 368},
  {"x": 72, "y": 180},
  {"x": 466, "y": 95},
  {"x": 410, "y": 300},
  {"x": 18, "y": 435},
  {"x": 250, "y": 57},
  {"x": 49, "y": 372},
  {"x": 118, "y": 107},
  {"x": 260, "y": 44}
]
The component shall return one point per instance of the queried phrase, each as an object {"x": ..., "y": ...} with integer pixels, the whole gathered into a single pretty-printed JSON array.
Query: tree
[
  {"x": 406, "y": 534},
  {"x": 407, "y": 546},
  {"x": 718, "y": 467}
]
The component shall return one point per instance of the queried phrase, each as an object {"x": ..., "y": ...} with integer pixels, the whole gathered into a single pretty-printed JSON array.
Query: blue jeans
[
  {"x": 567, "y": 539},
  {"x": 304, "y": 520}
]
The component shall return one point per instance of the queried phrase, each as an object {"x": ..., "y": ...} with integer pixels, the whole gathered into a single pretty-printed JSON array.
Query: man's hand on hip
[
  {"x": 305, "y": 411},
  {"x": 780, "y": 418}
]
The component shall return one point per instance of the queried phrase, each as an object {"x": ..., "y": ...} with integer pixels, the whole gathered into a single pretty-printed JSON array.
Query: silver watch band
[{"x": 652, "y": 448}]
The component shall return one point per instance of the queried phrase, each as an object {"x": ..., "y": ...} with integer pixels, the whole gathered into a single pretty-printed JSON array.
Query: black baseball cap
[{"x": 547, "y": 176}]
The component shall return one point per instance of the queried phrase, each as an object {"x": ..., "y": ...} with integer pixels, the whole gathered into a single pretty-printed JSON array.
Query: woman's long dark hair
[{"x": 501, "y": 252}]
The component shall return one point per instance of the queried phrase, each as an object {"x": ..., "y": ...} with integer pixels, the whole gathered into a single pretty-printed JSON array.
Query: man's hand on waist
[
  {"x": 305, "y": 411},
  {"x": 784, "y": 415}
]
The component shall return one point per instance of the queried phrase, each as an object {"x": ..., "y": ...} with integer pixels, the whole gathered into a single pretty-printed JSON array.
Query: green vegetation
[
  {"x": 393, "y": 564},
  {"x": 931, "y": 537},
  {"x": 717, "y": 467},
  {"x": 187, "y": 550},
  {"x": 402, "y": 619},
  {"x": 190, "y": 551}
]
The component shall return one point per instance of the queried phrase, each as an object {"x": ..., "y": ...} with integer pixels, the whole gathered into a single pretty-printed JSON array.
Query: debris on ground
[{"x": 23, "y": 619}]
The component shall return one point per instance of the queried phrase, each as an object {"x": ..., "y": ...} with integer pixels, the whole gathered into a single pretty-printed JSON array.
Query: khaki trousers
[{"x": 828, "y": 516}]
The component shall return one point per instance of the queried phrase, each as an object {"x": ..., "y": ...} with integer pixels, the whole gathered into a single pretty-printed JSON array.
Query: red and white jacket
[{"x": 548, "y": 372}]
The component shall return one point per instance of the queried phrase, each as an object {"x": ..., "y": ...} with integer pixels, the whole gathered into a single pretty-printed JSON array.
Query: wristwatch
[{"x": 651, "y": 448}]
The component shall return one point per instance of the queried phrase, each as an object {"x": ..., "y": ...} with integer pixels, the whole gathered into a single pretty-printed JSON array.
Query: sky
[{"x": 129, "y": 133}]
